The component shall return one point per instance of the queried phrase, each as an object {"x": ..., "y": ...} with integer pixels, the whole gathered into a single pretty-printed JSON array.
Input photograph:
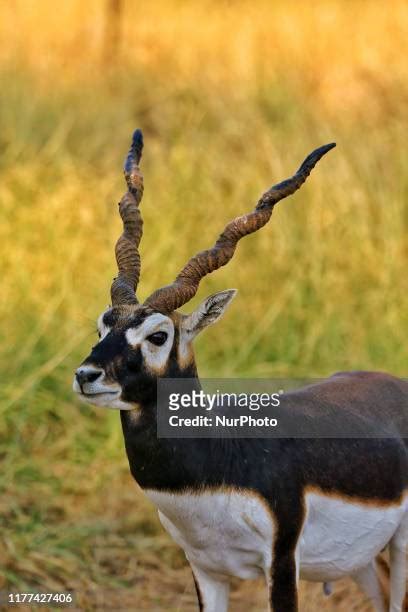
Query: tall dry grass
[{"x": 231, "y": 96}]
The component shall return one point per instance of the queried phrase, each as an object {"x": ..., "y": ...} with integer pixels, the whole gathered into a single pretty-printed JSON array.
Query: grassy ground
[{"x": 231, "y": 96}]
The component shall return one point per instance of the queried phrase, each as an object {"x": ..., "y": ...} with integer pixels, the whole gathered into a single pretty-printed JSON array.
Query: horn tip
[
  {"x": 324, "y": 149},
  {"x": 312, "y": 159},
  {"x": 135, "y": 152},
  {"x": 137, "y": 139},
  {"x": 137, "y": 145}
]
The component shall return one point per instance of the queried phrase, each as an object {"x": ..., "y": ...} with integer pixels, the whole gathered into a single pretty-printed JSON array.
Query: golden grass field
[{"x": 231, "y": 96}]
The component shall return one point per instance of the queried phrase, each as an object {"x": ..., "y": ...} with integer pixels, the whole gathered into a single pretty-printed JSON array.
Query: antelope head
[{"x": 140, "y": 342}]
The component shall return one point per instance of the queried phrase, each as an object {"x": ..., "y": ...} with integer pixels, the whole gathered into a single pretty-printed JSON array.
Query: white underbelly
[
  {"x": 340, "y": 536},
  {"x": 231, "y": 532}
]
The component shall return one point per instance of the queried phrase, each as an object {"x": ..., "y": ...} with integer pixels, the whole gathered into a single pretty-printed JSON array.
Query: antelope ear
[{"x": 208, "y": 312}]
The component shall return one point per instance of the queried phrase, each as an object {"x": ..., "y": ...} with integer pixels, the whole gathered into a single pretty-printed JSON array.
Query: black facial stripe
[
  {"x": 107, "y": 350},
  {"x": 110, "y": 318},
  {"x": 134, "y": 359},
  {"x": 174, "y": 349}
]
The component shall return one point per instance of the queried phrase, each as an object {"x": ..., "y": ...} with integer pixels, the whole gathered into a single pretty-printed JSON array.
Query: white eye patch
[
  {"x": 102, "y": 328},
  {"x": 155, "y": 357},
  {"x": 156, "y": 322}
]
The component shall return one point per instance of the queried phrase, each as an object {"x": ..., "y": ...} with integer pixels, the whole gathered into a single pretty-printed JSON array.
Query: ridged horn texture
[
  {"x": 169, "y": 298},
  {"x": 123, "y": 290}
]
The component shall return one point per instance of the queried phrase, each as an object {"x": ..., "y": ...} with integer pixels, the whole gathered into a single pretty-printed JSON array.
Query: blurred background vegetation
[{"x": 231, "y": 96}]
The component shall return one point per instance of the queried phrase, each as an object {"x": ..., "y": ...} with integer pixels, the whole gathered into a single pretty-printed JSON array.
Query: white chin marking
[
  {"x": 104, "y": 400},
  {"x": 107, "y": 400}
]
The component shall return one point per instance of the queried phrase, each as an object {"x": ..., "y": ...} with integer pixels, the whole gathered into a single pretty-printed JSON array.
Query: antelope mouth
[
  {"x": 94, "y": 389},
  {"x": 85, "y": 394},
  {"x": 103, "y": 398}
]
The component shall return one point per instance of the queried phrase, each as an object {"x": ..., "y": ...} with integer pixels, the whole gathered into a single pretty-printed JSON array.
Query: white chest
[{"x": 225, "y": 532}]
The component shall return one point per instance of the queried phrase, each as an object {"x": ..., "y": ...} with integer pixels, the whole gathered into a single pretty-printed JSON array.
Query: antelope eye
[{"x": 158, "y": 338}]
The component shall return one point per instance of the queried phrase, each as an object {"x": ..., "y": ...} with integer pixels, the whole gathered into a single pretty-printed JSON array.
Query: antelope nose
[{"x": 87, "y": 375}]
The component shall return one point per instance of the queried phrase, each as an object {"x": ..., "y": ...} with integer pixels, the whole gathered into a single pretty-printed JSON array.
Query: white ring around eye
[
  {"x": 103, "y": 330},
  {"x": 155, "y": 357}
]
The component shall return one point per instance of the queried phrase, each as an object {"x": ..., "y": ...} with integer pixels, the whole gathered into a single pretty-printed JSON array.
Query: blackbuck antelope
[{"x": 282, "y": 509}]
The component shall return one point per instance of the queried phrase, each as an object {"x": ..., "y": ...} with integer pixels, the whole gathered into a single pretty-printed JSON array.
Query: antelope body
[{"x": 284, "y": 509}]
